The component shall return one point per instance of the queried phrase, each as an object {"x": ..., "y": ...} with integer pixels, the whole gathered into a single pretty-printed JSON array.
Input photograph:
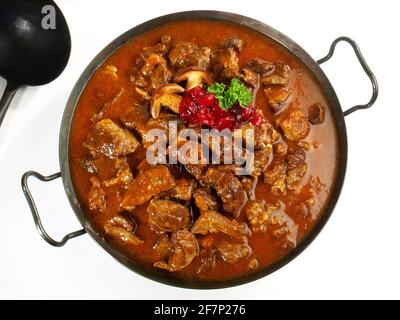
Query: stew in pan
[{"x": 203, "y": 221}]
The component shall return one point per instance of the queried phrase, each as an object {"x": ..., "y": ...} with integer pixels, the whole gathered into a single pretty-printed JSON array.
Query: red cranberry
[
  {"x": 202, "y": 108},
  {"x": 256, "y": 119},
  {"x": 207, "y": 99},
  {"x": 227, "y": 122}
]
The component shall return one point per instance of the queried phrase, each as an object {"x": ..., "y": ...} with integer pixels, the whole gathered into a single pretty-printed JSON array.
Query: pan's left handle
[
  {"x": 364, "y": 65},
  {"x": 35, "y": 213}
]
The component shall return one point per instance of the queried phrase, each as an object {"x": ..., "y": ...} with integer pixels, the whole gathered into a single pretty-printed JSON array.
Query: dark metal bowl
[{"x": 280, "y": 38}]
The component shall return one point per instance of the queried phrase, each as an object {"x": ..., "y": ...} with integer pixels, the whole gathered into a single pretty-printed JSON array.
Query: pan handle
[
  {"x": 364, "y": 65},
  {"x": 35, "y": 213}
]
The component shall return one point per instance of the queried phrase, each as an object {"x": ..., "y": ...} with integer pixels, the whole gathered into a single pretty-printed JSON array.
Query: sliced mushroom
[
  {"x": 166, "y": 96},
  {"x": 143, "y": 93},
  {"x": 193, "y": 76}
]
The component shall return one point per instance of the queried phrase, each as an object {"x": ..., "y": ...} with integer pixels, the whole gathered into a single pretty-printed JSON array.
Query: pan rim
[{"x": 266, "y": 30}]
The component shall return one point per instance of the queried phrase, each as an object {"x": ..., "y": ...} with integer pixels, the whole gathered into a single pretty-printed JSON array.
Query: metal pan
[{"x": 291, "y": 46}]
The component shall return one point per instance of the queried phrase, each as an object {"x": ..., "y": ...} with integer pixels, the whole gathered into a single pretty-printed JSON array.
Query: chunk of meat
[
  {"x": 151, "y": 62},
  {"x": 146, "y": 185},
  {"x": 185, "y": 54},
  {"x": 166, "y": 40},
  {"x": 229, "y": 189},
  {"x": 204, "y": 200},
  {"x": 232, "y": 168},
  {"x": 316, "y": 114},
  {"x": 96, "y": 196},
  {"x": 197, "y": 171},
  {"x": 88, "y": 165},
  {"x": 160, "y": 75},
  {"x": 229, "y": 249},
  {"x": 207, "y": 262},
  {"x": 258, "y": 213},
  {"x": 264, "y": 135},
  {"x": 192, "y": 154},
  {"x": 104, "y": 168},
  {"x": 183, "y": 190},
  {"x": 280, "y": 75},
  {"x": 262, "y": 159},
  {"x": 234, "y": 43},
  {"x": 144, "y": 165},
  {"x": 225, "y": 63},
  {"x": 162, "y": 246},
  {"x": 253, "y": 264},
  {"x": 295, "y": 125},
  {"x": 275, "y": 176},
  {"x": 280, "y": 146},
  {"x": 108, "y": 106},
  {"x": 285, "y": 173},
  {"x": 260, "y": 66},
  {"x": 159, "y": 48},
  {"x": 297, "y": 167},
  {"x": 231, "y": 252},
  {"x": 108, "y": 139},
  {"x": 207, "y": 241},
  {"x": 168, "y": 216},
  {"x": 140, "y": 83},
  {"x": 184, "y": 248},
  {"x": 249, "y": 184},
  {"x": 135, "y": 115},
  {"x": 162, "y": 122},
  {"x": 304, "y": 145},
  {"x": 251, "y": 77},
  {"x": 295, "y": 156},
  {"x": 277, "y": 97},
  {"x": 284, "y": 227},
  {"x": 121, "y": 229},
  {"x": 151, "y": 69},
  {"x": 214, "y": 222},
  {"x": 139, "y": 120},
  {"x": 123, "y": 175}
]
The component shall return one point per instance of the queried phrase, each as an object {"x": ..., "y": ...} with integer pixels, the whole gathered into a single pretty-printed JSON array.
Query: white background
[{"x": 357, "y": 254}]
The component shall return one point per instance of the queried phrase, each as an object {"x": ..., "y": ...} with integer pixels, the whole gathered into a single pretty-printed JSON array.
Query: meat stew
[{"x": 202, "y": 221}]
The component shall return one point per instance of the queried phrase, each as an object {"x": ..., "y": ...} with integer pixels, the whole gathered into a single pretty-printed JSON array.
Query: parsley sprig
[{"x": 237, "y": 92}]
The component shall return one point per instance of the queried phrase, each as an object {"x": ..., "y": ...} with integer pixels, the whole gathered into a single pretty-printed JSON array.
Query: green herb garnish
[
  {"x": 218, "y": 90},
  {"x": 237, "y": 92}
]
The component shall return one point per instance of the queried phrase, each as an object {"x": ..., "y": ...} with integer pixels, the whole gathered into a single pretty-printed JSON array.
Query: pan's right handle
[
  {"x": 368, "y": 71},
  {"x": 35, "y": 213}
]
